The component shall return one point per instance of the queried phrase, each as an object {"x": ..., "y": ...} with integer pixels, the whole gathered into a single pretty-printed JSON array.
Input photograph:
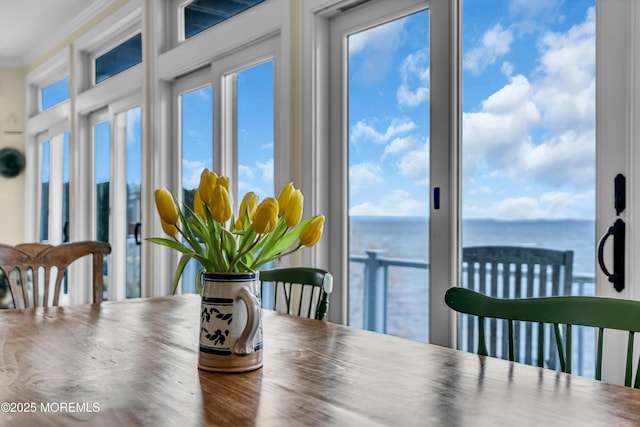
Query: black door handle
[
  {"x": 136, "y": 233},
  {"x": 617, "y": 231}
]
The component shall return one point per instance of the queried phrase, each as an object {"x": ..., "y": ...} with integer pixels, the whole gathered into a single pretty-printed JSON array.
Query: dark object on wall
[{"x": 11, "y": 162}]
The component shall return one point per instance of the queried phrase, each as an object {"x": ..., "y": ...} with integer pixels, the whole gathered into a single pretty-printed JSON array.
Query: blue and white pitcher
[{"x": 230, "y": 323}]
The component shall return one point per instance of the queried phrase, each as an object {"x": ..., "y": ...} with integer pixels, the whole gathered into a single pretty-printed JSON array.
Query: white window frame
[
  {"x": 326, "y": 155},
  {"x": 103, "y": 102},
  {"x": 268, "y": 22},
  {"x": 42, "y": 126}
]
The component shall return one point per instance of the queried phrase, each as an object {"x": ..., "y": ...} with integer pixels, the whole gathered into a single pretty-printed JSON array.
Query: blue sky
[
  {"x": 528, "y": 112},
  {"x": 528, "y": 115}
]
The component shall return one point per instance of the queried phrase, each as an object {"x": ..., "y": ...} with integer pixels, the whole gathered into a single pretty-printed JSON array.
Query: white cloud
[
  {"x": 245, "y": 172},
  {"x": 499, "y": 134},
  {"x": 362, "y": 131},
  {"x": 555, "y": 205},
  {"x": 191, "y": 171},
  {"x": 507, "y": 68},
  {"x": 395, "y": 203},
  {"x": 495, "y": 44},
  {"x": 382, "y": 37},
  {"x": 566, "y": 91},
  {"x": 557, "y": 108},
  {"x": 518, "y": 208},
  {"x": 415, "y": 165},
  {"x": 532, "y": 9},
  {"x": 399, "y": 145},
  {"x": 364, "y": 175},
  {"x": 379, "y": 42},
  {"x": 133, "y": 125},
  {"x": 414, "y": 89},
  {"x": 568, "y": 157},
  {"x": 256, "y": 178},
  {"x": 266, "y": 170}
]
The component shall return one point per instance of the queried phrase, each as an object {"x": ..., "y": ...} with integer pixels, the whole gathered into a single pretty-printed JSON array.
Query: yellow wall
[{"x": 11, "y": 135}]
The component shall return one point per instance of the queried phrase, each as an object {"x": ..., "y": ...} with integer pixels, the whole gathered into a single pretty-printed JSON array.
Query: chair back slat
[
  {"x": 303, "y": 291},
  {"x": 599, "y": 353},
  {"x": 40, "y": 267},
  {"x": 563, "y": 312},
  {"x": 629, "y": 365}
]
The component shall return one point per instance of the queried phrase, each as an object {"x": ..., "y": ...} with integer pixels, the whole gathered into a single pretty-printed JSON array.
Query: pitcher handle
[{"x": 244, "y": 345}]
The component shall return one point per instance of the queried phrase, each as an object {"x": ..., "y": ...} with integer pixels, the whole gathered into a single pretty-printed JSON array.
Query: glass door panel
[
  {"x": 388, "y": 160},
  {"x": 65, "y": 189},
  {"x": 255, "y": 140},
  {"x": 134, "y": 180},
  {"x": 102, "y": 144},
  {"x": 196, "y": 121},
  {"x": 45, "y": 178},
  {"x": 528, "y": 150},
  {"x": 255, "y": 130}
]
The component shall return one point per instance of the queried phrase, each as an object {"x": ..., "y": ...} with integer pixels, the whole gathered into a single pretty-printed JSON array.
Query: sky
[{"x": 528, "y": 112}]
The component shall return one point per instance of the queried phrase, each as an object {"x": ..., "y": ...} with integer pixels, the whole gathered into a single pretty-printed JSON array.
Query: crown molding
[{"x": 66, "y": 30}]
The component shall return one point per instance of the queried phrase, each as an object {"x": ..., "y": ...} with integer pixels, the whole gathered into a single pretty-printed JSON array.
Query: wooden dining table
[{"x": 135, "y": 363}]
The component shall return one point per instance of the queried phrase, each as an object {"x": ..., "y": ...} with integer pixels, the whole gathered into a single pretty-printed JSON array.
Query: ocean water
[{"x": 406, "y": 238}]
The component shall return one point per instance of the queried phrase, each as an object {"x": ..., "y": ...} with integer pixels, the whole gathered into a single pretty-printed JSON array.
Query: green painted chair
[
  {"x": 301, "y": 291},
  {"x": 598, "y": 312}
]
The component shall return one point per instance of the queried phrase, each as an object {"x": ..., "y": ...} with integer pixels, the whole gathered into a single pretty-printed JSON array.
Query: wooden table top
[{"x": 135, "y": 363}]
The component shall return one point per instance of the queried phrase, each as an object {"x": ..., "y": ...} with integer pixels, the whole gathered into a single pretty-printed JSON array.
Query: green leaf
[
  {"x": 180, "y": 269},
  {"x": 272, "y": 251},
  {"x": 199, "y": 280},
  {"x": 173, "y": 244}
]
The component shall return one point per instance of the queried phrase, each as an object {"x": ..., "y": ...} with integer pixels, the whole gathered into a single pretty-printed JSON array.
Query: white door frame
[{"x": 617, "y": 127}]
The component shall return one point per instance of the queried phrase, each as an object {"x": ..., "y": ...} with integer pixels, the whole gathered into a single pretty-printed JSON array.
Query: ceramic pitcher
[{"x": 230, "y": 323}]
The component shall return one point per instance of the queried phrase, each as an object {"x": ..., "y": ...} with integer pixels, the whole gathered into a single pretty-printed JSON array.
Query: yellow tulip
[
  {"x": 265, "y": 217},
  {"x": 219, "y": 204},
  {"x": 284, "y": 196},
  {"x": 166, "y": 206},
  {"x": 224, "y": 181},
  {"x": 247, "y": 206},
  {"x": 169, "y": 229},
  {"x": 208, "y": 180},
  {"x": 293, "y": 213},
  {"x": 312, "y": 232},
  {"x": 198, "y": 207}
]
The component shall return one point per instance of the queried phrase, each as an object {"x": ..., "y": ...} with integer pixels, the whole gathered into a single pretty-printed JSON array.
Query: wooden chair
[
  {"x": 22, "y": 265},
  {"x": 514, "y": 272},
  {"x": 303, "y": 291},
  {"x": 598, "y": 312}
]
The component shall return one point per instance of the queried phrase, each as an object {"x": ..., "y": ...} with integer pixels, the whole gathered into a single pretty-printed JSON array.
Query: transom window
[
  {"x": 119, "y": 59},
  {"x": 198, "y": 15},
  {"x": 54, "y": 93}
]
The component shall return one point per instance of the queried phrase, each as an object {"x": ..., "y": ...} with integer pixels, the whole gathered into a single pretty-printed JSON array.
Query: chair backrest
[
  {"x": 301, "y": 291},
  {"x": 515, "y": 272},
  {"x": 561, "y": 312},
  {"x": 22, "y": 265}
]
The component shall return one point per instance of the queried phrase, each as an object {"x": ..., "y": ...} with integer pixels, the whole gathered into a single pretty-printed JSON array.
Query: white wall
[{"x": 11, "y": 128}]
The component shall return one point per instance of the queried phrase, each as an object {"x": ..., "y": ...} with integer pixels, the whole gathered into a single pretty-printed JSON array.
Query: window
[
  {"x": 388, "y": 122},
  {"x": 198, "y": 15},
  {"x": 248, "y": 112},
  {"x": 54, "y": 93},
  {"x": 255, "y": 130},
  {"x": 45, "y": 179},
  {"x": 118, "y": 59},
  {"x": 529, "y": 151}
]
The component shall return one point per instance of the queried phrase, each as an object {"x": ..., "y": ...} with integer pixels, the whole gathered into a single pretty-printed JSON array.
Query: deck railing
[{"x": 376, "y": 285}]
